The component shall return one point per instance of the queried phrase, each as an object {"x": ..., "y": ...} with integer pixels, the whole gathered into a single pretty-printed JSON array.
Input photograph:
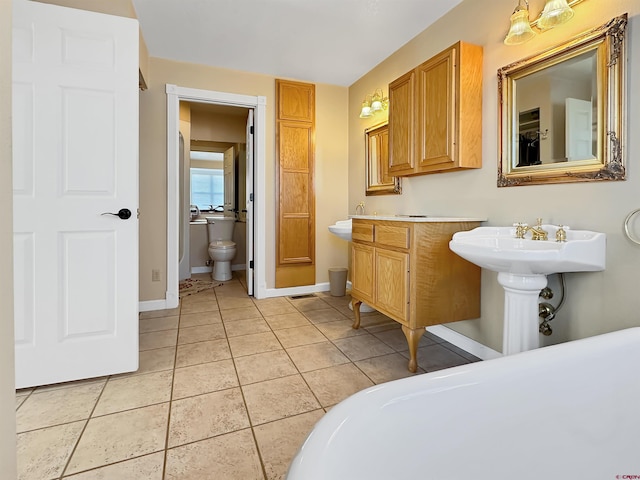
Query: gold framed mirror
[
  {"x": 562, "y": 111},
  {"x": 379, "y": 182}
]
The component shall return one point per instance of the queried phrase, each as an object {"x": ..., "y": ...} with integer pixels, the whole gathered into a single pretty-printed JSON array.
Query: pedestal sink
[{"x": 523, "y": 266}]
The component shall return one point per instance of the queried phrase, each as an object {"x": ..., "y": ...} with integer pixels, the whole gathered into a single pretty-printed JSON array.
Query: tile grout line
[{"x": 84, "y": 428}]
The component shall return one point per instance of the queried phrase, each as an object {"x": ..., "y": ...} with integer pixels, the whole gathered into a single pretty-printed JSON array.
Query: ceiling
[{"x": 320, "y": 41}]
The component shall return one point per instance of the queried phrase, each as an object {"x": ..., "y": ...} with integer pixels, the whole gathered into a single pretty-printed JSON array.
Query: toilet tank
[{"x": 220, "y": 228}]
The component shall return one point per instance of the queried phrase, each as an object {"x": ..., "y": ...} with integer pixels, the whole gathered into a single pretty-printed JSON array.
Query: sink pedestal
[{"x": 521, "y": 293}]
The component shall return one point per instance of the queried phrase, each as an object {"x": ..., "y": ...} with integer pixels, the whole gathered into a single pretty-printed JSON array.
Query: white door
[
  {"x": 578, "y": 129},
  {"x": 75, "y": 135},
  {"x": 249, "y": 203},
  {"x": 229, "y": 182}
]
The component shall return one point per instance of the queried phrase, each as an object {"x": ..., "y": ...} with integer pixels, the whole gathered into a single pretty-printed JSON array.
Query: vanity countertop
[{"x": 417, "y": 218}]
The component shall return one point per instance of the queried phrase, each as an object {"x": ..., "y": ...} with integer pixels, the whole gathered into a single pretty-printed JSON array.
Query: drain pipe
[{"x": 546, "y": 311}]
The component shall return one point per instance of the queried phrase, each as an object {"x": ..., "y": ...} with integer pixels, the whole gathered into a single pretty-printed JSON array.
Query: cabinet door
[
  {"x": 392, "y": 282},
  {"x": 435, "y": 132},
  {"x": 401, "y": 125},
  {"x": 362, "y": 286}
]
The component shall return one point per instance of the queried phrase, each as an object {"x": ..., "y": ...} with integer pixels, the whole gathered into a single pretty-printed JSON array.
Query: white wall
[
  {"x": 596, "y": 302},
  {"x": 7, "y": 383}
]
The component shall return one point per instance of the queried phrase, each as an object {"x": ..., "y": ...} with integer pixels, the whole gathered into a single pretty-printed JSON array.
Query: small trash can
[{"x": 338, "y": 281}]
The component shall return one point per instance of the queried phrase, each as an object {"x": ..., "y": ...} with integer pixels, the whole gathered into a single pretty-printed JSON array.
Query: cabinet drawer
[
  {"x": 392, "y": 236},
  {"x": 362, "y": 231}
]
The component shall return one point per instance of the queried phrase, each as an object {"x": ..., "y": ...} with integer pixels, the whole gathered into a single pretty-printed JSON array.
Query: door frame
[{"x": 175, "y": 94}]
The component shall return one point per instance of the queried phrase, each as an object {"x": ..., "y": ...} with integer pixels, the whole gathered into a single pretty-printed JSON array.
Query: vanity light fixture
[
  {"x": 373, "y": 104},
  {"x": 554, "y": 13},
  {"x": 520, "y": 30}
]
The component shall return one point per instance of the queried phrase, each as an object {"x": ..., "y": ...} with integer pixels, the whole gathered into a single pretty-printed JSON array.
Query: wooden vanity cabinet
[
  {"x": 435, "y": 114},
  {"x": 406, "y": 271}
]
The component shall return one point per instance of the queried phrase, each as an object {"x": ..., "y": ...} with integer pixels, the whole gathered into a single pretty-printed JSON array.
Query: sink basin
[
  {"x": 523, "y": 266},
  {"x": 342, "y": 228},
  {"x": 497, "y": 249}
]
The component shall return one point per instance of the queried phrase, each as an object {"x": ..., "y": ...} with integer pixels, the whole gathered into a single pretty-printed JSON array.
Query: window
[{"x": 207, "y": 187}]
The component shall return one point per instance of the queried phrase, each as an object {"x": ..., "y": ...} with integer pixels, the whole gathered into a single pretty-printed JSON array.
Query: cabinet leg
[
  {"x": 413, "y": 338},
  {"x": 356, "y": 312}
]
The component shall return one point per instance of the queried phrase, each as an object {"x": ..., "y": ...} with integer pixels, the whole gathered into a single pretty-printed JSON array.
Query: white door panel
[
  {"x": 249, "y": 202},
  {"x": 75, "y": 134}
]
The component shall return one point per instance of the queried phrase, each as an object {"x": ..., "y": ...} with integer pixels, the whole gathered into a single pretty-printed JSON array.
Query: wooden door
[
  {"x": 435, "y": 124},
  {"x": 392, "y": 282},
  {"x": 362, "y": 272},
  {"x": 401, "y": 125},
  {"x": 295, "y": 151},
  {"x": 75, "y": 126}
]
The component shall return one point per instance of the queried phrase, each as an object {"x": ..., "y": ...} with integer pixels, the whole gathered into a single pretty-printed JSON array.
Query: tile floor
[{"x": 228, "y": 387}]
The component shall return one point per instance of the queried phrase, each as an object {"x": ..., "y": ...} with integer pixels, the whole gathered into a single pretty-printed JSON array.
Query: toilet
[{"x": 221, "y": 248}]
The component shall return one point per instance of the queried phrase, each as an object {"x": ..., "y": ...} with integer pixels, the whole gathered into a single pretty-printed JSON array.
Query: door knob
[{"x": 123, "y": 213}]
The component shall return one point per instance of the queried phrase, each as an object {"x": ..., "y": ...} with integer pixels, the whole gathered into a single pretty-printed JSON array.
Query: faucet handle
[
  {"x": 561, "y": 234},
  {"x": 521, "y": 229}
]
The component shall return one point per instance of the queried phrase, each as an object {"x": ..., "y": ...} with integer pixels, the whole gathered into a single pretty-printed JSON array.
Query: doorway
[{"x": 256, "y": 215}]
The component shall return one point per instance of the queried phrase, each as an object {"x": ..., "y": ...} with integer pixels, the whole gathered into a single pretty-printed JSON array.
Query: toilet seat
[{"x": 222, "y": 245}]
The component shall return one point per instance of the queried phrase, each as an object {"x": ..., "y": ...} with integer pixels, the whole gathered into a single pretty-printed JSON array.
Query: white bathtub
[{"x": 569, "y": 411}]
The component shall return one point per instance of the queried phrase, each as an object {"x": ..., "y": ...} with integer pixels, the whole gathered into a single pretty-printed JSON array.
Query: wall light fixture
[
  {"x": 554, "y": 13},
  {"x": 373, "y": 104}
]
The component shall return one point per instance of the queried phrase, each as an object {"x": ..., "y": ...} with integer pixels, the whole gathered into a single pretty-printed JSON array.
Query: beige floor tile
[
  {"x": 386, "y": 368},
  {"x": 156, "y": 360},
  {"x": 324, "y": 315},
  {"x": 334, "y": 384},
  {"x": 120, "y": 436},
  {"x": 315, "y": 356},
  {"x": 199, "y": 307},
  {"x": 204, "y": 378},
  {"x": 20, "y": 400},
  {"x": 75, "y": 383},
  {"x": 264, "y": 366},
  {"x": 156, "y": 324},
  {"x": 228, "y": 457},
  {"x": 255, "y": 343},
  {"x": 42, "y": 454},
  {"x": 246, "y": 327},
  {"x": 383, "y": 327},
  {"x": 229, "y": 302},
  {"x": 308, "y": 304},
  {"x": 294, "y": 337},
  {"x": 336, "y": 302},
  {"x": 436, "y": 357},
  {"x": 274, "y": 306},
  {"x": 362, "y": 346},
  {"x": 160, "y": 313},
  {"x": 375, "y": 319},
  {"x": 396, "y": 339},
  {"x": 204, "y": 296},
  {"x": 243, "y": 313},
  {"x": 206, "y": 416},
  {"x": 287, "y": 320},
  {"x": 201, "y": 333},
  {"x": 339, "y": 329},
  {"x": 279, "y": 441},
  {"x": 202, "y": 352},
  {"x": 164, "y": 338},
  {"x": 55, "y": 407},
  {"x": 148, "y": 467},
  {"x": 125, "y": 393},
  {"x": 203, "y": 318},
  {"x": 277, "y": 399}
]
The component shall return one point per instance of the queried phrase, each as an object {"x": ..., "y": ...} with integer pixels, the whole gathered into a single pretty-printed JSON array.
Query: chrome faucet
[
  {"x": 360, "y": 206},
  {"x": 537, "y": 232}
]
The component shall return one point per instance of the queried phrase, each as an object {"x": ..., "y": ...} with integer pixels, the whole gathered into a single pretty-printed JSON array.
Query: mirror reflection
[
  {"x": 556, "y": 113},
  {"x": 562, "y": 111},
  {"x": 379, "y": 182}
]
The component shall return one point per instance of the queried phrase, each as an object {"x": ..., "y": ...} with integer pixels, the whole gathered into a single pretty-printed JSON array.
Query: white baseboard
[
  {"x": 465, "y": 343},
  {"x": 150, "y": 305},
  {"x": 202, "y": 269},
  {"x": 304, "y": 290}
]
